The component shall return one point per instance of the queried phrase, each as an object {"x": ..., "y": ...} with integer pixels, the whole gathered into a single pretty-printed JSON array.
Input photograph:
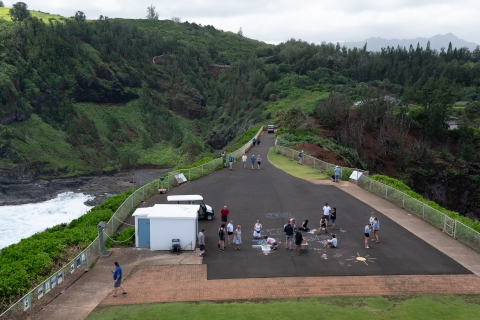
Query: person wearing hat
[
  {"x": 117, "y": 279},
  {"x": 230, "y": 231},
  {"x": 300, "y": 157},
  {"x": 337, "y": 174}
]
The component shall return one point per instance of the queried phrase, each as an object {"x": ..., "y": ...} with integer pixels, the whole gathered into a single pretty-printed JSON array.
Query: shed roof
[{"x": 169, "y": 211}]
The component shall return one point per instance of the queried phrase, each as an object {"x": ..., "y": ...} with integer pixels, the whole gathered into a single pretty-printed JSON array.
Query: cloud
[{"x": 310, "y": 20}]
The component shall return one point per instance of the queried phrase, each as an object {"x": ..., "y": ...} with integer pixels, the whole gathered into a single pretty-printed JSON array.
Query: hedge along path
[{"x": 464, "y": 255}]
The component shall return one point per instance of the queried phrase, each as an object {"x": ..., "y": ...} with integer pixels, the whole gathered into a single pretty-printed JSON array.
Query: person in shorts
[
  {"x": 367, "y": 234},
  {"x": 376, "y": 228},
  {"x": 259, "y": 162},
  {"x": 326, "y": 212},
  {"x": 221, "y": 237},
  {"x": 300, "y": 157},
  {"x": 271, "y": 242},
  {"x": 298, "y": 242},
  {"x": 288, "y": 229},
  {"x": 230, "y": 231},
  {"x": 201, "y": 242},
  {"x": 117, "y": 279}
]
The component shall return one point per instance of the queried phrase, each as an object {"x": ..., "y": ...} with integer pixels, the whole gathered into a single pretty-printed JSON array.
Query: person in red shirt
[{"x": 224, "y": 214}]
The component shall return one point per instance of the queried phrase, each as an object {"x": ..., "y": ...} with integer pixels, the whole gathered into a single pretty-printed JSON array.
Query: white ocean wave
[{"x": 22, "y": 221}]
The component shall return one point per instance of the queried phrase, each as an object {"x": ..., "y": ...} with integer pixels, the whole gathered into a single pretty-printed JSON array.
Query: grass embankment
[
  {"x": 371, "y": 308},
  {"x": 5, "y": 14},
  {"x": 292, "y": 167}
]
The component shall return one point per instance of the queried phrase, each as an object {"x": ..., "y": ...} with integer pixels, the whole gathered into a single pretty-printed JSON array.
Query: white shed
[{"x": 157, "y": 226}]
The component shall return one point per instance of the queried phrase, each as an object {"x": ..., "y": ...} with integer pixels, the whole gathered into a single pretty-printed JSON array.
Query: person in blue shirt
[
  {"x": 376, "y": 227},
  {"x": 367, "y": 234},
  {"x": 337, "y": 174},
  {"x": 230, "y": 162},
  {"x": 117, "y": 279},
  {"x": 253, "y": 159}
]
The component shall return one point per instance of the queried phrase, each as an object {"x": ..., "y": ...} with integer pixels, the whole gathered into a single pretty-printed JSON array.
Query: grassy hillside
[{"x": 5, "y": 14}]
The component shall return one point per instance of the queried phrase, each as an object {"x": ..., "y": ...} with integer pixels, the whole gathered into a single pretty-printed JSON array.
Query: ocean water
[{"x": 21, "y": 221}]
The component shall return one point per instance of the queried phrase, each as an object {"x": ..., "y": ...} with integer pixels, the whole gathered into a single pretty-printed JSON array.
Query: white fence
[
  {"x": 438, "y": 219},
  {"x": 46, "y": 291}
]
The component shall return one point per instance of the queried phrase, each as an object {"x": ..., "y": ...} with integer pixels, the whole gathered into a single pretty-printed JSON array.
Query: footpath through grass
[
  {"x": 371, "y": 308},
  {"x": 292, "y": 167}
]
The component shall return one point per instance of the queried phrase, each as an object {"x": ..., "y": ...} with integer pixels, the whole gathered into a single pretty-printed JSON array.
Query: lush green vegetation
[
  {"x": 32, "y": 260},
  {"x": 5, "y": 15},
  {"x": 474, "y": 224},
  {"x": 292, "y": 167},
  {"x": 389, "y": 307}
]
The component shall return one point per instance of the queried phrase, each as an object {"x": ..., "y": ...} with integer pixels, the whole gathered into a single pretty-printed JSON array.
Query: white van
[
  {"x": 270, "y": 128},
  {"x": 205, "y": 212}
]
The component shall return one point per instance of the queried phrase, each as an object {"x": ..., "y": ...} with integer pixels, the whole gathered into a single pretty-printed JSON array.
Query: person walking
[
  {"x": 323, "y": 225},
  {"x": 230, "y": 162},
  {"x": 367, "y": 234},
  {"x": 254, "y": 140},
  {"x": 230, "y": 232},
  {"x": 288, "y": 229},
  {"x": 117, "y": 279},
  {"x": 224, "y": 158},
  {"x": 298, "y": 242},
  {"x": 224, "y": 214},
  {"x": 244, "y": 160},
  {"x": 259, "y": 162},
  {"x": 376, "y": 227},
  {"x": 333, "y": 217},
  {"x": 257, "y": 230},
  {"x": 221, "y": 237},
  {"x": 201, "y": 242},
  {"x": 337, "y": 173},
  {"x": 253, "y": 159},
  {"x": 237, "y": 237},
  {"x": 258, "y": 141},
  {"x": 326, "y": 212},
  {"x": 300, "y": 157}
]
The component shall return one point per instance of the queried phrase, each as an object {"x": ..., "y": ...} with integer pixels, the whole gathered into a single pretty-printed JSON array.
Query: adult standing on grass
[
  {"x": 253, "y": 159},
  {"x": 237, "y": 237},
  {"x": 117, "y": 279},
  {"x": 337, "y": 173},
  {"x": 298, "y": 242},
  {"x": 230, "y": 162},
  {"x": 367, "y": 234},
  {"x": 201, "y": 242},
  {"x": 376, "y": 227},
  {"x": 257, "y": 230},
  {"x": 333, "y": 217},
  {"x": 326, "y": 212},
  {"x": 230, "y": 231},
  {"x": 288, "y": 229},
  {"x": 259, "y": 162},
  {"x": 300, "y": 157},
  {"x": 244, "y": 160},
  {"x": 224, "y": 214}
]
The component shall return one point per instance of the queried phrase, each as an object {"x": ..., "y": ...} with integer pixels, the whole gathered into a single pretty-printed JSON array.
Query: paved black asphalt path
[{"x": 273, "y": 196}]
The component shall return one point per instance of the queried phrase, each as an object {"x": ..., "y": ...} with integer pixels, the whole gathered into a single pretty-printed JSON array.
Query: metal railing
[
  {"x": 438, "y": 219},
  {"x": 42, "y": 294}
]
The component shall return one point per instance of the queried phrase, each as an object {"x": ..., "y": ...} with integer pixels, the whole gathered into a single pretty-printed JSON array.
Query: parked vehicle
[
  {"x": 205, "y": 211},
  {"x": 271, "y": 128}
]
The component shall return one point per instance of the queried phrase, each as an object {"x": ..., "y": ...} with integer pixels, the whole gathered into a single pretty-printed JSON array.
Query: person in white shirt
[
  {"x": 371, "y": 221},
  {"x": 332, "y": 243},
  {"x": 326, "y": 213},
  {"x": 230, "y": 231},
  {"x": 271, "y": 242},
  {"x": 244, "y": 160}
]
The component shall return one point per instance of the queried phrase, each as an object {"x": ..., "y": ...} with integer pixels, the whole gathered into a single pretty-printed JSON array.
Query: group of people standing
[
  {"x": 253, "y": 159},
  {"x": 372, "y": 228}
]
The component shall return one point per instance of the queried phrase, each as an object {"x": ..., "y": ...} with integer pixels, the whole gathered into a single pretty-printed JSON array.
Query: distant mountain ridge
[{"x": 436, "y": 42}]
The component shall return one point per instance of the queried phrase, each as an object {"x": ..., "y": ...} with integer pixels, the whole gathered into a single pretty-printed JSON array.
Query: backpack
[{"x": 221, "y": 233}]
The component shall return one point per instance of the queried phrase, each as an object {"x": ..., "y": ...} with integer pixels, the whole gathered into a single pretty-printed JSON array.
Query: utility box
[{"x": 157, "y": 226}]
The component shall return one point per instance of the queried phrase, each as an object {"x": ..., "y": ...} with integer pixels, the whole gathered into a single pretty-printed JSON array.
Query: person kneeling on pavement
[
  {"x": 272, "y": 242},
  {"x": 332, "y": 243}
]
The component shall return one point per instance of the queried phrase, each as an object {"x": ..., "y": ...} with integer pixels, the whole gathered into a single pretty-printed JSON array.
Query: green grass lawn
[
  {"x": 5, "y": 14},
  {"x": 292, "y": 167},
  {"x": 306, "y": 99},
  {"x": 390, "y": 307}
]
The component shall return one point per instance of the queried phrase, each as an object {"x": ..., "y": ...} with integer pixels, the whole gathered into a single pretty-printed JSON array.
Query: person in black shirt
[
  {"x": 333, "y": 217},
  {"x": 298, "y": 242}
]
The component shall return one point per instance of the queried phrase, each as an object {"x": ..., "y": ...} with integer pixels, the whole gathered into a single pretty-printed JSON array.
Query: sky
[{"x": 275, "y": 21}]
